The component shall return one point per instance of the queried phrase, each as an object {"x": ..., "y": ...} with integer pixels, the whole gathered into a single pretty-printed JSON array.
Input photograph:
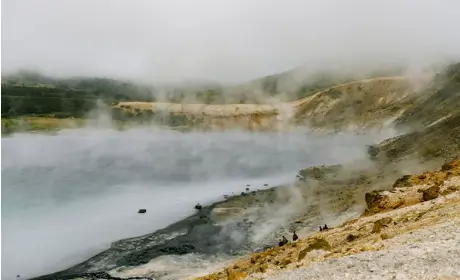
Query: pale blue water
[{"x": 66, "y": 197}]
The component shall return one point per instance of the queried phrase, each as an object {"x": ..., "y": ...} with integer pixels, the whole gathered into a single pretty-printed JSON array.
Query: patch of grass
[{"x": 42, "y": 123}]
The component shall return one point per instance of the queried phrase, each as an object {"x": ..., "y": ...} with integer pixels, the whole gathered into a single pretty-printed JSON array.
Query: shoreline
[
  {"x": 168, "y": 241},
  {"x": 210, "y": 232}
]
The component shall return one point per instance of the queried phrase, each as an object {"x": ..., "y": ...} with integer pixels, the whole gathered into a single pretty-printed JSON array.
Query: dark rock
[
  {"x": 422, "y": 177},
  {"x": 373, "y": 151},
  {"x": 198, "y": 206},
  {"x": 265, "y": 185},
  {"x": 247, "y": 189},
  {"x": 373, "y": 199},
  {"x": 402, "y": 182},
  {"x": 243, "y": 193},
  {"x": 351, "y": 237},
  {"x": 142, "y": 211},
  {"x": 431, "y": 193}
]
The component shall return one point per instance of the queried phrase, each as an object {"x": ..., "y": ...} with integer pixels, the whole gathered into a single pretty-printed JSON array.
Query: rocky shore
[{"x": 418, "y": 211}]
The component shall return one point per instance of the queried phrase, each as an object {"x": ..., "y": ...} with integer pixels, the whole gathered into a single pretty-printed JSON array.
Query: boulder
[
  {"x": 142, "y": 211},
  {"x": 374, "y": 199},
  {"x": 402, "y": 182},
  {"x": 431, "y": 193}
]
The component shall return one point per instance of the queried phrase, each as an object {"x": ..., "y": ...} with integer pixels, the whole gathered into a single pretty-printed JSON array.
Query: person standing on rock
[
  {"x": 294, "y": 236},
  {"x": 283, "y": 241}
]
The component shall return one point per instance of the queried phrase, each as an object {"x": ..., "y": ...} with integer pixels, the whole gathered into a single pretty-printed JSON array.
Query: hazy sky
[{"x": 224, "y": 40}]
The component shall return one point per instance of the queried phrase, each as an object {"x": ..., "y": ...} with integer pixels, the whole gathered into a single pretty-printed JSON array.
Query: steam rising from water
[{"x": 67, "y": 197}]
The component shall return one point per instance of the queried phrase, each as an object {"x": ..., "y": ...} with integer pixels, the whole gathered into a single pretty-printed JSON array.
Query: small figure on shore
[
  {"x": 142, "y": 211},
  {"x": 283, "y": 241},
  {"x": 198, "y": 206},
  {"x": 320, "y": 228},
  {"x": 294, "y": 236},
  {"x": 325, "y": 227}
]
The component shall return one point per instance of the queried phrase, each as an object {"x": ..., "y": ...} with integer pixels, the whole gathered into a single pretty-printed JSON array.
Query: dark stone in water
[
  {"x": 247, "y": 189},
  {"x": 142, "y": 211},
  {"x": 198, "y": 206},
  {"x": 265, "y": 185}
]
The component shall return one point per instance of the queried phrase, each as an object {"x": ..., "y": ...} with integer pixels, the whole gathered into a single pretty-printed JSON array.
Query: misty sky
[{"x": 224, "y": 41}]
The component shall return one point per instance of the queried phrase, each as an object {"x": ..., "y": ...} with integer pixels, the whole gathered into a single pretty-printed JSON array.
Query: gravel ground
[{"x": 430, "y": 253}]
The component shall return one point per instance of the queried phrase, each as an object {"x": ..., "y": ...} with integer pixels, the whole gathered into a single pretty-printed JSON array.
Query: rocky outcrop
[
  {"x": 430, "y": 193},
  {"x": 413, "y": 189}
]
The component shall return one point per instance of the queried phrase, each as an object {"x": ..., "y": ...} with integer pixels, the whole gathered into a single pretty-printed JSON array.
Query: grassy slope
[{"x": 32, "y": 123}]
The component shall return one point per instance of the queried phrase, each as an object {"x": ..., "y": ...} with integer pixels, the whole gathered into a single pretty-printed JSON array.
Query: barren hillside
[
  {"x": 410, "y": 213},
  {"x": 362, "y": 103}
]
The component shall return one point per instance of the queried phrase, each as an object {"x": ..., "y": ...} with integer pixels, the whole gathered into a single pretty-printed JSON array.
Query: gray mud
[{"x": 202, "y": 233}]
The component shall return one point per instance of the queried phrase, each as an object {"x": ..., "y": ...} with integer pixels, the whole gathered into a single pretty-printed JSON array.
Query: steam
[{"x": 83, "y": 187}]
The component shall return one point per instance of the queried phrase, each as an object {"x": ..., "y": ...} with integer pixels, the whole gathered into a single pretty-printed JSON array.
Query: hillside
[
  {"x": 28, "y": 92},
  {"x": 382, "y": 101},
  {"x": 412, "y": 212}
]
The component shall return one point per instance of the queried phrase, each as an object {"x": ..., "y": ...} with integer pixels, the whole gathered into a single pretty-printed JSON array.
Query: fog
[
  {"x": 67, "y": 197},
  {"x": 223, "y": 41}
]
